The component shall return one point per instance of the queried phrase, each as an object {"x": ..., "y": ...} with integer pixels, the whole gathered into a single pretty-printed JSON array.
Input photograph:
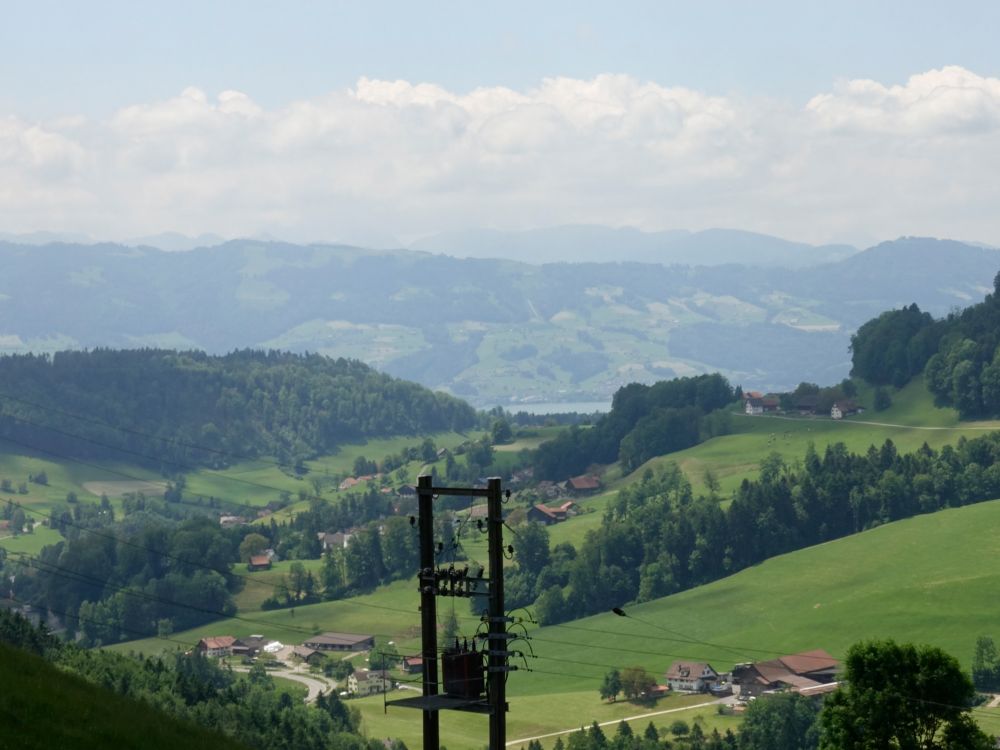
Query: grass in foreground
[{"x": 42, "y": 708}]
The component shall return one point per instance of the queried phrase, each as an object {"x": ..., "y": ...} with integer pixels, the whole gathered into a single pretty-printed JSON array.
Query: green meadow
[
  {"x": 929, "y": 579},
  {"x": 911, "y": 421},
  {"x": 261, "y": 584},
  {"x": 926, "y": 579},
  {"x": 248, "y": 483},
  {"x": 390, "y": 613}
]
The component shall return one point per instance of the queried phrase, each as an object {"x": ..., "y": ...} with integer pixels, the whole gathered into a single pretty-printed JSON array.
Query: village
[{"x": 325, "y": 663}]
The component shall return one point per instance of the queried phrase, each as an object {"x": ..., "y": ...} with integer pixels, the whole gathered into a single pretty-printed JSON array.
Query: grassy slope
[
  {"x": 390, "y": 613},
  {"x": 253, "y": 483},
  {"x": 41, "y": 707},
  {"x": 885, "y": 582},
  {"x": 929, "y": 579},
  {"x": 737, "y": 456}
]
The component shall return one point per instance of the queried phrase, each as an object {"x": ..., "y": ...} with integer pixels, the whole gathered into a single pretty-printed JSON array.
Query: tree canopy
[
  {"x": 958, "y": 355},
  {"x": 644, "y": 421},
  {"x": 901, "y": 696},
  {"x": 185, "y": 409}
]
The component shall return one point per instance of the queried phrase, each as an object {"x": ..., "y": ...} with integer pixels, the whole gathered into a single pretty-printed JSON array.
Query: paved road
[
  {"x": 312, "y": 683},
  {"x": 525, "y": 740}
]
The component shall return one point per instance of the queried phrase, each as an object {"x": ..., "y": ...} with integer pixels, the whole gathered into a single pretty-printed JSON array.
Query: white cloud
[
  {"x": 938, "y": 102},
  {"x": 866, "y": 158}
]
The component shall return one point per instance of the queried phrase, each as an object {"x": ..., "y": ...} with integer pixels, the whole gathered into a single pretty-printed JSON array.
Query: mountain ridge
[{"x": 491, "y": 331}]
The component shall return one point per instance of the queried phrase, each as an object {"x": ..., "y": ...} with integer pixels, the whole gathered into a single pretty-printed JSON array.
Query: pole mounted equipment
[{"x": 465, "y": 672}]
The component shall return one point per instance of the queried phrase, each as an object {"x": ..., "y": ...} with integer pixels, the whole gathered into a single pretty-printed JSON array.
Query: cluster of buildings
[
  {"x": 809, "y": 673},
  {"x": 756, "y": 403},
  {"x": 312, "y": 652}
]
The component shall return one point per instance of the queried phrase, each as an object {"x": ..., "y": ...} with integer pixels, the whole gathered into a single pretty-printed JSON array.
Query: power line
[
  {"x": 183, "y": 561},
  {"x": 73, "y": 575},
  {"x": 79, "y": 618},
  {"x": 739, "y": 649}
]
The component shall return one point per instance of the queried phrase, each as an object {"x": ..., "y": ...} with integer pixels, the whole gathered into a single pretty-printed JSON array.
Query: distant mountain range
[
  {"x": 597, "y": 244},
  {"x": 492, "y": 331}
]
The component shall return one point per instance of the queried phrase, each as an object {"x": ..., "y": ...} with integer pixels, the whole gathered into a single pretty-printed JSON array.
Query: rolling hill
[
  {"x": 491, "y": 331},
  {"x": 928, "y": 579},
  {"x": 597, "y": 244}
]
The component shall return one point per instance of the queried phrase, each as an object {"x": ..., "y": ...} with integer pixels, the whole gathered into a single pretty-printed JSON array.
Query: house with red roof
[
  {"x": 259, "y": 562},
  {"x": 544, "y": 514},
  {"x": 221, "y": 645},
  {"x": 810, "y": 673},
  {"x": 691, "y": 676},
  {"x": 584, "y": 483}
]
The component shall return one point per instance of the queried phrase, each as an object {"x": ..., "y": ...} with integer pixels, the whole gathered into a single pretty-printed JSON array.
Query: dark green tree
[
  {"x": 901, "y": 696},
  {"x": 882, "y": 400},
  {"x": 986, "y": 665},
  {"x": 637, "y": 683},
  {"x": 611, "y": 686},
  {"x": 785, "y": 721}
]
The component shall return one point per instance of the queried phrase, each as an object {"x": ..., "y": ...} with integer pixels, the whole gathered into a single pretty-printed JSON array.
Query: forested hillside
[
  {"x": 491, "y": 331},
  {"x": 959, "y": 355},
  {"x": 657, "y": 538},
  {"x": 191, "y": 408},
  {"x": 187, "y": 687},
  {"x": 644, "y": 421}
]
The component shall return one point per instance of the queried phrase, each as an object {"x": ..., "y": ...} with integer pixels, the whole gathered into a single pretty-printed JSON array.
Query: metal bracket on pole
[{"x": 434, "y": 583}]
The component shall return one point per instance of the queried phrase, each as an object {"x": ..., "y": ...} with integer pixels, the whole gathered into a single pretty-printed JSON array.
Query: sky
[{"x": 381, "y": 123}]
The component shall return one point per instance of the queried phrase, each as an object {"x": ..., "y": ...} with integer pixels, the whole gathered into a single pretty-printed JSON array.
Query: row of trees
[
  {"x": 679, "y": 734},
  {"x": 656, "y": 538}
]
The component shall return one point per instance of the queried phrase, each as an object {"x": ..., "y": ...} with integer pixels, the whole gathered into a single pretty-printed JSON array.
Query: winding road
[{"x": 315, "y": 685}]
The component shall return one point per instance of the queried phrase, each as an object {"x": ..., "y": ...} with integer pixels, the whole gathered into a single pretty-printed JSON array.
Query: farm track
[
  {"x": 953, "y": 428},
  {"x": 615, "y": 722}
]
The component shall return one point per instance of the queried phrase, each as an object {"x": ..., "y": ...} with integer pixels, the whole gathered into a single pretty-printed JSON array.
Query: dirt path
[
  {"x": 615, "y": 722},
  {"x": 992, "y": 428}
]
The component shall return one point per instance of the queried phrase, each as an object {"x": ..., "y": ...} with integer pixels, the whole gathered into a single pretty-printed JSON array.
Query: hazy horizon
[{"x": 381, "y": 125}]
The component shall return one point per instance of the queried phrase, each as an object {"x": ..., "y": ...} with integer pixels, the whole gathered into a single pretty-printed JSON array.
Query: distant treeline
[
  {"x": 644, "y": 421},
  {"x": 959, "y": 355},
  {"x": 657, "y": 539},
  {"x": 189, "y": 408}
]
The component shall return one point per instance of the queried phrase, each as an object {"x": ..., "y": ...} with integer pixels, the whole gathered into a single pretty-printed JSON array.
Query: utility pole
[
  {"x": 428, "y": 609},
  {"x": 496, "y": 669},
  {"x": 465, "y": 693}
]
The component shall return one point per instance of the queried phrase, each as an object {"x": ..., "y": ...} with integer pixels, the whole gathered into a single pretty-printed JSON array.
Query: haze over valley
[
  {"x": 533, "y": 376},
  {"x": 495, "y": 331}
]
